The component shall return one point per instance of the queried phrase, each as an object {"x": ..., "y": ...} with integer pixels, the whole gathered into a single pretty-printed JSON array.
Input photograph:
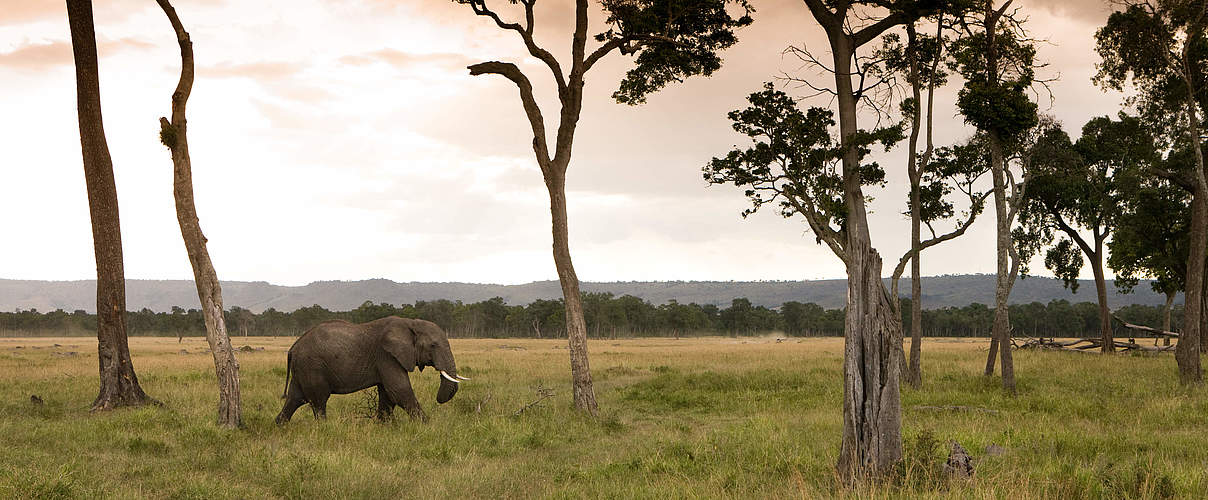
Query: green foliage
[
  {"x": 793, "y": 160},
  {"x": 672, "y": 40},
  {"x": 1142, "y": 46},
  {"x": 167, "y": 134},
  {"x": 994, "y": 98},
  {"x": 1080, "y": 188},
  {"x": 1151, "y": 239}
]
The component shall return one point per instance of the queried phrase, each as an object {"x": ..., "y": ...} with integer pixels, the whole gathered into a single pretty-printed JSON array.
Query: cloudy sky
[{"x": 344, "y": 140}]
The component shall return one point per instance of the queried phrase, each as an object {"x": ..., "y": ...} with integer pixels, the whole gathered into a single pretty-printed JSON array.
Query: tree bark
[
  {"x": 1187, "y": 352},
  {"x": 1105, "y": 319},
  {"x": 576, "y": 329},
  {"x": 1002, "y": 291},
  {"x": 118, "y": 383},
  {"x": 1166, "y": 316},
  {"x": 209, "y": 291}
]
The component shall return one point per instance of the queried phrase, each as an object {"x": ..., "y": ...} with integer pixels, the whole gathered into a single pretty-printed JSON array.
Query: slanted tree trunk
[
  {"x": 1105, "y": 318},
  {"x": 174, "y": 135},
  {"x": 576, "y": 327},
  {"x": 118, "y": 383}
]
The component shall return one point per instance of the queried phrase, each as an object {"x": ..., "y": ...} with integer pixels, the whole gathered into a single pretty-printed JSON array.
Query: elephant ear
[{"x": 399, "y": 341}]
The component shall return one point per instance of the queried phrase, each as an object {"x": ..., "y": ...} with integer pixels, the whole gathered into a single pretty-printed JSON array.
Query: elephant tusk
[
  {"x": 462, "y": 378},
  {"x": 447, "y": 377}
]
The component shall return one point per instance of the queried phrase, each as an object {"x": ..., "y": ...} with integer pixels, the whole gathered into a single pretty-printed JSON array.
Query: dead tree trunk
[
  {"x": 174, "y": 135},
  {"x": 118, "y": 383},
  {"x": 872, "y": 419}
]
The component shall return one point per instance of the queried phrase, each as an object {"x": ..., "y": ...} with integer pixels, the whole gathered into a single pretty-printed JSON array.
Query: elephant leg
[
  {"x": 398, "y": 387},
  {"x": 318, "y": 404},
  {"x": 315, "y": 390},
  {"x": 293, "y": 400},
  {"x": 385, "y": 404}
]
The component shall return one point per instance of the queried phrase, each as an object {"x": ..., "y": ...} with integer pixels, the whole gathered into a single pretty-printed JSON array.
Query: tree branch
[
  {"x": 526, "y": 33},
  {"x": 511, "y": 72}
]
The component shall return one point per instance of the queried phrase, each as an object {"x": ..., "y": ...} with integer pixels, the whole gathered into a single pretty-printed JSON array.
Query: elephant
[{"x": 339, "y": 357}]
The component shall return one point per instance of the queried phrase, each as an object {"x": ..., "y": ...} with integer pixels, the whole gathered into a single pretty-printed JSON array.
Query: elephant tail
[{"x": 289, "y": 359}]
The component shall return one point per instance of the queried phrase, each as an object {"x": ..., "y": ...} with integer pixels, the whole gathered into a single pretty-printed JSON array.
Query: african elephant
[{"x": 338, "y": 357}]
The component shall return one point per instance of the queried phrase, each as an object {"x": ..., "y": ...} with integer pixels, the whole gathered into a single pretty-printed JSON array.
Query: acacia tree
[
  {"x": 998, "y": 65},
  {"x": 1161, "y": 48},
  {"x": 670, "y": 40},
  {"x": 173, "y": 134},
  {"x": 1077, "y": 188},
  {"x": 1150, "y": 241},
  {"x": 118, "y": 383},
  {"x": 872, "y": 352},
  {"x": 957, "y": 168}
]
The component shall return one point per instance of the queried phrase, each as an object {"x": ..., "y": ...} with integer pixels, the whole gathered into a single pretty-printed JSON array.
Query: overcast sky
[{"x": 345, "y": 140}]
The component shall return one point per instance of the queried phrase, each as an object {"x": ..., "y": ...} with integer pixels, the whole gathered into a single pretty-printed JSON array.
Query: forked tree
[
  {"x": 1075, "y": 198},
  {"x": 872, "y": 440},
  {"x": 997, "y": 62},
  {"x": 174, "y": 134},
  {"x": 670, "y": 40},
  {"x": 119, "y": 385},
  {"x": 1160, "y": 49},
  {"x": 933, "y": 174}
]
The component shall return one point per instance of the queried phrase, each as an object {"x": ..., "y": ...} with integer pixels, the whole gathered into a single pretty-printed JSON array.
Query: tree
[
  {"x": 1160, "y": 47},
  {"x": 118, "y": 383},
  {"x": 918, "y": 60},
  {"x": 872, "y": 330},
  {"x": 1151, "y": 240},
  {"x": 671, "y": 40},
  {"x": 1077, "y": 188},
  {"x": 998, "y": 64},
  {"x": 793, "y": 164},
  {"x": 173, "y": 134}
]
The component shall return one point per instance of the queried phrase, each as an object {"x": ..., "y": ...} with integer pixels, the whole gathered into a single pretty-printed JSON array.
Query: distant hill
[{"x": 939, "y": 291}]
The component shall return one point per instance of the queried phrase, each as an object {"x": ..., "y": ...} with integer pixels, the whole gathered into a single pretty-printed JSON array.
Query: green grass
[{"x": 699, "y": 418}]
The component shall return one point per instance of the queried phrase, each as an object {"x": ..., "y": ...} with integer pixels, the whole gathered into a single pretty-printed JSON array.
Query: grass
[{"x": 691, "y": 418}]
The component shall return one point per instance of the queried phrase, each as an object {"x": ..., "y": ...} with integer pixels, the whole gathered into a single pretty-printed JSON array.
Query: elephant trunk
[
  {"x": 448, "y": 378},
  {"x": 448, "y": 387}
]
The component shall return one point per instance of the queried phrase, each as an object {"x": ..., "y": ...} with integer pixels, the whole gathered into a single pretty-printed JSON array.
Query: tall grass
[{"x": 711, "y": 418}]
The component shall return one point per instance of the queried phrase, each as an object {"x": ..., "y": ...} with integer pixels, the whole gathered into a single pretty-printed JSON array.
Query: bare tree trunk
[
  {"x": 992, "y": 359},
  {"x": 872, "y": 423},
  {"x": 576, "y": 329},
  {"x": 1002, "y": 291},
  {"x": 1166, "y": 316},
  {"x": 1105, "y": 318},
  {"x": 118, "y": 383},
  {"x": 872, "y": 419},
  {"x": 174, "y": 135}
]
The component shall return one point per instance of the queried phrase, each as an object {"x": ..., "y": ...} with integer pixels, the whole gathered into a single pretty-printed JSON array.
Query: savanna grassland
[{"x": 696, "y": 418}]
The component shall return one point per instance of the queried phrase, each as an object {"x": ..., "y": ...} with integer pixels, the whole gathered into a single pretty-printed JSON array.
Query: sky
[{"x": 345, "y": 140}]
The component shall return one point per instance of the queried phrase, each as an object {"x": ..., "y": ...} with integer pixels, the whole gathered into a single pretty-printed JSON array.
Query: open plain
[{"x": 693, "y": 417}]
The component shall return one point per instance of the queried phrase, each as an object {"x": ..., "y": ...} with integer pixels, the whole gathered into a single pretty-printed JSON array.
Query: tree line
[{"x": 607, "y": 316}]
